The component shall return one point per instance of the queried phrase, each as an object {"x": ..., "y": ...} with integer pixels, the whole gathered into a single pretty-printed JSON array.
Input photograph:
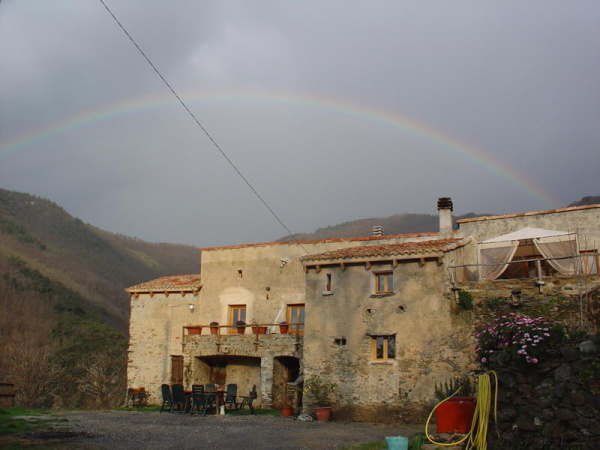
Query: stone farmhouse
[{"x": 376, "y": 315}]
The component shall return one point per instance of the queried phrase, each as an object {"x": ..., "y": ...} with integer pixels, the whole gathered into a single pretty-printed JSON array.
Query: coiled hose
[{"x": 477, "y": 436}]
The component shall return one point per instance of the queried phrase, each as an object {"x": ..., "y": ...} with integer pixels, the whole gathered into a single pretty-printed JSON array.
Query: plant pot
[
  {"x": 323, "y": 413},
  {"x": 287, "y": 411},
  {"x": 283, "y": 329},
  {"x": 241, "y": 330},
  {"x": 214, "y": 330},
  {"x": 194, "y": 330},
  {"x": 259, "y": 330},
  {"x": 455, "y": 415}
]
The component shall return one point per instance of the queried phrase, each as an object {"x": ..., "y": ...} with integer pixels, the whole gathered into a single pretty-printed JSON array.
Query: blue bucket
[{"x": 397, "y": 443}]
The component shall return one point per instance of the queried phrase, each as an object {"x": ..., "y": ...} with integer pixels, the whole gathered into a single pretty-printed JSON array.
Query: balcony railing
[{"x": 256, "y": 329}]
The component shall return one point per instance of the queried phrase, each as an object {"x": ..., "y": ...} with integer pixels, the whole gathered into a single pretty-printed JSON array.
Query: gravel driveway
[{"x": 143, "y": 430}]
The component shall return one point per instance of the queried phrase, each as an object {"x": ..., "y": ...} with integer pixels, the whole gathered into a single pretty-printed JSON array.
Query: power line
[{"x": 197, "y": 121}]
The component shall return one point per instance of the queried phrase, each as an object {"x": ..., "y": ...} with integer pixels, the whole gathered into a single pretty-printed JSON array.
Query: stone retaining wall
[{"x": 557, "y": 406}]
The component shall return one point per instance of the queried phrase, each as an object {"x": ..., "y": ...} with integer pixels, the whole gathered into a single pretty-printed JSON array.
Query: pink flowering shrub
[{"x": 519, "y": 339}]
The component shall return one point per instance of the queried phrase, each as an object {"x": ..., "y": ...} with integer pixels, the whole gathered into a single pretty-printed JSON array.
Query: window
[
  {"x": 590, "y": 262},
  {"x": 295, "y": 317},
  {"x": 328, "y": 282},
  {"x": 240, "y": 274},
  {"x": 384, "y": 283},
  {"x": 236, "y": 312},
  {"x": 383, "y": 347}
]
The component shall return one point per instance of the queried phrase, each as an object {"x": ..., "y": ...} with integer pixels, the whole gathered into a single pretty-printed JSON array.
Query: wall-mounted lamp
[
  {"x": 191, "y": 306},
  {"x": 284, "y": 261}
]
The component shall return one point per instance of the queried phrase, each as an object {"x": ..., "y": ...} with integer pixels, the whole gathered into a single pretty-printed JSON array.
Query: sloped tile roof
[
  {"x": 174, "y": 283},
  {"x": 388, "y": 250}
]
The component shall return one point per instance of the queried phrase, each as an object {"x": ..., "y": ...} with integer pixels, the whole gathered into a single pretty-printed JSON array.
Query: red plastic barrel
[{"x": 455, "y": 415}]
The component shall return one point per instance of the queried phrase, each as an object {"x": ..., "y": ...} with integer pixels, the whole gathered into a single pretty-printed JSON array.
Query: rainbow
[{"x": 362, "y": 112}]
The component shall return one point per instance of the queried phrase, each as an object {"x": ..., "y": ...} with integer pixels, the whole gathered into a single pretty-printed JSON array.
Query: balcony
[{"x": 246, "y": 340}]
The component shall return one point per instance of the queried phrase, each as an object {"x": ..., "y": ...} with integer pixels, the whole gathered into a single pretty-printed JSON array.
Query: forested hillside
[{"x": 62, "y": 301}]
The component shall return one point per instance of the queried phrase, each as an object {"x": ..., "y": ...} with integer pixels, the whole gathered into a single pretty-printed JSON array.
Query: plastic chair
[
  {"x": 231, "y": 396},
  {"x": 179, "y": 399},
  {"x": 166, "y": 396},
  {"x": 200, "y": 400}
]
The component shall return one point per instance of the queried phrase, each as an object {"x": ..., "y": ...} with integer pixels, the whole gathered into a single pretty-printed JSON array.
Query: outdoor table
[{"x": 219, "y": 399}]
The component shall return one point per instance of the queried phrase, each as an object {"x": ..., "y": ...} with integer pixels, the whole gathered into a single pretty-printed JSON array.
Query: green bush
[{"x": 465, "y": 300}]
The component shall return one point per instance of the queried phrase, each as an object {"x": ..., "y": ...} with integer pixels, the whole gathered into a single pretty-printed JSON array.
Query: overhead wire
[{"x": 193, "y": 116}]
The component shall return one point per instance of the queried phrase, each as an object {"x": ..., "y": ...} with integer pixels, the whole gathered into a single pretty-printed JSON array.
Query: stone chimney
[
  {"x": 444, "y": 205},
  {"x": 377, "y": 230}
]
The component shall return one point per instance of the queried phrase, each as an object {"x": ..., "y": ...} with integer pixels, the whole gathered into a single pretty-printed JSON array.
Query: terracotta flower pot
[
  {"x": 323, "y": 413},
  {"x": 283, "y": 329},
  {"x": 214, "y": 330},
  {"x": 194, "y": 330},
  {"x": 241, "y": 330},
  {"x": 259, "y": 330},
  {"x": 287, "y": 411}
]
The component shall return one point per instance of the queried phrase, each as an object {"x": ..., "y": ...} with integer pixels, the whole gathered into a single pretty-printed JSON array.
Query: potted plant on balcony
[
  {"x": 283, "y": 327},
  {"x": 214, "y": 328},
  {"x": 257, "y": 329},
  {"x": 320, "y": 391},
  {"x": 241, "y": 326},
  {"x": 194, "y": 329}
]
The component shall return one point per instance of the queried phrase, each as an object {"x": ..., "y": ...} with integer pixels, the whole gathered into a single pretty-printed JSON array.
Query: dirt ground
[{"x": 151, "y": 430}]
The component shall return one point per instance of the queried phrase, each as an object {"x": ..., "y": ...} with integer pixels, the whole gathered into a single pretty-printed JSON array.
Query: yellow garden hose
[{"x": 477, "y": 435}]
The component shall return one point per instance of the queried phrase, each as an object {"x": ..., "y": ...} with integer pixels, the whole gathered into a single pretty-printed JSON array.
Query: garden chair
[
  {"x": 180, "y": 401},
  {"x": 247, "y": 401},
  {"x": 211, "y": 387},
  {"x": 200, "y": 400},
  {"x": 166, "y": 396},
  {"x": 231, "y": 396}
]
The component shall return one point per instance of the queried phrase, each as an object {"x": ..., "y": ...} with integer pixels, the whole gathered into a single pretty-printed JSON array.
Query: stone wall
[
  {"x": 582, "y": 220},
  {"x": 433, "y": 339},
  {"x": 556, "y": 406}
]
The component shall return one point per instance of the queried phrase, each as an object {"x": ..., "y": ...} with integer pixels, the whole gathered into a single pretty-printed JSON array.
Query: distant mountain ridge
[
  {"x": 392, "y": 225},
  {"x": 94, "y": 263}
]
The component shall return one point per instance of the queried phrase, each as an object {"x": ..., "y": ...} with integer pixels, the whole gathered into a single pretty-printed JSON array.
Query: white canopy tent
[{"x": 559, "y": 247}]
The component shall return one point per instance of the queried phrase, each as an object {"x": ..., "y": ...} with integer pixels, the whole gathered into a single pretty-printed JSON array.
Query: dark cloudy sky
[{"x": 332, "y": 110}]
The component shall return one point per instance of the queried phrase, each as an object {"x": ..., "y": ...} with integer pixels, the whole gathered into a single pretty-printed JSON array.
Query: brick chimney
[{"x": 444, "y": 206}]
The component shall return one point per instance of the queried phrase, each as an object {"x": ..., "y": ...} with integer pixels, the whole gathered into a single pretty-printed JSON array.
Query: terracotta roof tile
[
  {"x": 174, "y": 283},
  {"x": 320, "y": 241},
  {"x": 391, "y": 250}
]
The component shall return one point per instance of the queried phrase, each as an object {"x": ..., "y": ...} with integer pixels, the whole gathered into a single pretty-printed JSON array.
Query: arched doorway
[{"x": 286, "y": 369}]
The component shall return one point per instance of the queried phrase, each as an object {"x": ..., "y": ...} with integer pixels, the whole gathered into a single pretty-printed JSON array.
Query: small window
[
  {"x": 240, "y": 274},
  {"x": 384, "y": 282},
  {"x": 328, "y": 282},
  {"x": 339, "y": 342},
  {"x": 383, "y": 347}
]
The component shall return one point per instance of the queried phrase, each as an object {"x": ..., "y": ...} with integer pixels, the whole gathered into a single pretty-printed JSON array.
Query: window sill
[
  {"x": 383, "y": 294},
  {"x": 383, "y": 362},
  {"x": 327, "y": 293}
]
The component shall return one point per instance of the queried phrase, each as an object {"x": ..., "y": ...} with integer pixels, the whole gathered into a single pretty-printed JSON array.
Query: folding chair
[
  {"x": 166, "y": 396},
  {"x": 247, "y": 401}
]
